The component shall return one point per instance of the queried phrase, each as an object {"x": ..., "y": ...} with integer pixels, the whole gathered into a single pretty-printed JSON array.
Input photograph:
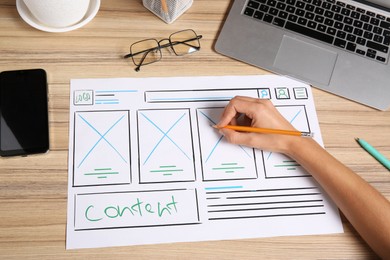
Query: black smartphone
[{"x": 24, "y": 121}]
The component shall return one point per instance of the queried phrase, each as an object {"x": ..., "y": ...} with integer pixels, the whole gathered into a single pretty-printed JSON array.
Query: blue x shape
[
  {"x": 102, "y": 137},
  {"x": 165, "y": 135},
  {"x": 219, "y": 140}
]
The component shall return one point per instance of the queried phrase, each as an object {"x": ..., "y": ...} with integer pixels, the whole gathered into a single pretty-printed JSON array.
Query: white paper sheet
[{"x": 145, "y": 165}]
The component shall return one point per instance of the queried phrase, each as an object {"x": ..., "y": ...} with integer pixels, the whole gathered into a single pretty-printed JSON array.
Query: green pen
[{"x": 374, "y": 152}]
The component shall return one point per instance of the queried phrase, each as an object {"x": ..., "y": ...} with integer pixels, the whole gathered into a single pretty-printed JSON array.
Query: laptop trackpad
[{"x": 305, "y": 60}]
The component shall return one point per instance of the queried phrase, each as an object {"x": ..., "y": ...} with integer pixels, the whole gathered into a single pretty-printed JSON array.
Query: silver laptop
[{"x": 340, "y": 46}]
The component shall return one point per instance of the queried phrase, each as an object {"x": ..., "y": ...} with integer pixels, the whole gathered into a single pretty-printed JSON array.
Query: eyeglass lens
[
  {"x": 145, "y": 52},
  {"x": 184, "y": 42}
]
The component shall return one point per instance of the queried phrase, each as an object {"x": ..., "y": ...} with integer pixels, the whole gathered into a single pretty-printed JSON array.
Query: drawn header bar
[{"x": 196, "y": 95}]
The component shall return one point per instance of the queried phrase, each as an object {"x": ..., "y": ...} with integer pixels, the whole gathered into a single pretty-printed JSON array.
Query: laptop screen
[{"x": 385, "y": 4}]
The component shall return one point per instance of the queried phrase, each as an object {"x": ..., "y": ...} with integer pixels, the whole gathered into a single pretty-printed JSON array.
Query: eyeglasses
[{"x": 149, "y": 51}]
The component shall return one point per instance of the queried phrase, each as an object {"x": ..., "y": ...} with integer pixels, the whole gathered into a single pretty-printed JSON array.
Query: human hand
[{"x": 256, "y": 113}]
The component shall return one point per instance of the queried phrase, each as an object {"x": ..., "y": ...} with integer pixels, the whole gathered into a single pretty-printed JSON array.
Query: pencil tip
[{"x": 307, "y": 134}]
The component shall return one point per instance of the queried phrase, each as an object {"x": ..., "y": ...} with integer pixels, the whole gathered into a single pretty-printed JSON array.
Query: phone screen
[{"x": 24, "y": 124}]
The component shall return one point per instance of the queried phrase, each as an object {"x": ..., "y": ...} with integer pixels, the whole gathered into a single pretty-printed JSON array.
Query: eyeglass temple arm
[
  {"x": 133, "y": 54},
  {"x": 142, "y": 59},
  {"x": 184, "y": 42},
  {"x": 145, "y": 53}
]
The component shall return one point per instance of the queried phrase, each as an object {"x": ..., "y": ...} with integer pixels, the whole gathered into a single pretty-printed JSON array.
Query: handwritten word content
[
  {"x": 132, "y": 209},
  {"x": 138, "y": 209}
]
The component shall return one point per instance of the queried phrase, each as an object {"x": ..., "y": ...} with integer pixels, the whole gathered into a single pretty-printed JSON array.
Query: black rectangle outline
[
  {"x": 309, "y": 130},
  {"x": 138, "y": 137},
  {"x": 143, "y": 226},
  {"x": 295, "y": 96},
  {"x": 93, "y": 97},
  {"x": 288, "y": 91},
  {"x": 74, "y": 142},
  {"x": 197, "y": 90},
  {"x": 269, "y": 91},
  {"x": 200, "y": 150}
]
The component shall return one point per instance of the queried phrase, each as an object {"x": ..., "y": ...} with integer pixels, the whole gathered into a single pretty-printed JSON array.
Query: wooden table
[{"x": 33, "y": 190}]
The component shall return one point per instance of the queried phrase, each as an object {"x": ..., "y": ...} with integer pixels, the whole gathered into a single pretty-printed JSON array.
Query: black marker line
[
  {"x": 144, "y": 226},
  {"x": 269, "y": 196},
  {"x": 270, "y": 216},
  {"x": 130, "y": 192},
  {"x": 283, "y": 189},
  {"x": 105, "y": 95},
  {"x": 240, "y": 210},
  {"x": 264, "y": 203},
  {"x": 197, "y": 203}
]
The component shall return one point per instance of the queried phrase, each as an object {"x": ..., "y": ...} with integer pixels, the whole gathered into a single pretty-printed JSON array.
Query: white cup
[{"x": 58, "y": 13}]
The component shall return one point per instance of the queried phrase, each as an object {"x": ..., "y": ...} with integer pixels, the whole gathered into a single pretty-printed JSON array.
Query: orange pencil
[
  {"x": 266, "y": 130},
  {"x": 164, "y": 6}
]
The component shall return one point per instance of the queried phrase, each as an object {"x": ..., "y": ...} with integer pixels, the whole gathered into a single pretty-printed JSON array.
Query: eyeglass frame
[{"x": 159, "y": 47}]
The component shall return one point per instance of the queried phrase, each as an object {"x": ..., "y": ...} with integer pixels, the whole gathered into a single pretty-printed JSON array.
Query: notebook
[{"x": 341, "y": 47}]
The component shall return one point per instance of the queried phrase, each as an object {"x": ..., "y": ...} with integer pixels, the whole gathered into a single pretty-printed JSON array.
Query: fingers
[
  {"x": 240, "y": 105},
  {"x": 234, "y": 137},
  {"x": 258, "y": 113},
  {"x": 260, "y": 141}
]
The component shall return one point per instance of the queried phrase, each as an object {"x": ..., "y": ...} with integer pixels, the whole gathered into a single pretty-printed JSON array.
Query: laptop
[{"x": 340, "y": 46}]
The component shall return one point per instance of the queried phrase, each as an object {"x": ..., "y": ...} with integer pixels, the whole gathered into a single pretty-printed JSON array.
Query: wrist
[{"x": 296, "y": 147}]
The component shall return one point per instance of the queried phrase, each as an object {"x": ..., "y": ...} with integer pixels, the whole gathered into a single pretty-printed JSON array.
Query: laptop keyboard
[{"x": 343, "y": 25}]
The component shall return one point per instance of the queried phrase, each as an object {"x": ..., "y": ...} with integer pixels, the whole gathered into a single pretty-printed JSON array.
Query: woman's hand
[{"x": 256, "y": 113}]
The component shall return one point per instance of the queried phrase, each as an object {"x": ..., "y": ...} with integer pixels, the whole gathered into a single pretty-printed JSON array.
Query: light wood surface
[{"x": 33, "y": 190}]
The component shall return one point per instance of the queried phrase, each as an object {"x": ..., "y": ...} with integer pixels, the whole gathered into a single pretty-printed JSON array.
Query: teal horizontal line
[
  {"x": 229, "y": 163},
  {"x": 179, "y": 170},
  {"x": 102, "y": 177},
  {"x": 168, "y": 166},
  {"x": 224, "y": 187},
  {"x": 103, "y": 169},
  {"x": 228, "y": 168},
  {"x": 107, "y": 103},
  {"x": 100, "y": 173},
  {"x": 229, "y": 171},
  {"x": 287, "y": 165}
]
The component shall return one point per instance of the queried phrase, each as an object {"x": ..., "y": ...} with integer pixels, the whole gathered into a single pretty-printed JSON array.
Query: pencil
[
  {"x": 266, "y": 130},
  {"x": 374, "y": 152},
  {"x": 164, "y": 6}
]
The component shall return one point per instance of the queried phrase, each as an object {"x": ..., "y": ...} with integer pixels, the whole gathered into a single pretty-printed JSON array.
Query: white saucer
[{"x": 31, "y": 20}]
